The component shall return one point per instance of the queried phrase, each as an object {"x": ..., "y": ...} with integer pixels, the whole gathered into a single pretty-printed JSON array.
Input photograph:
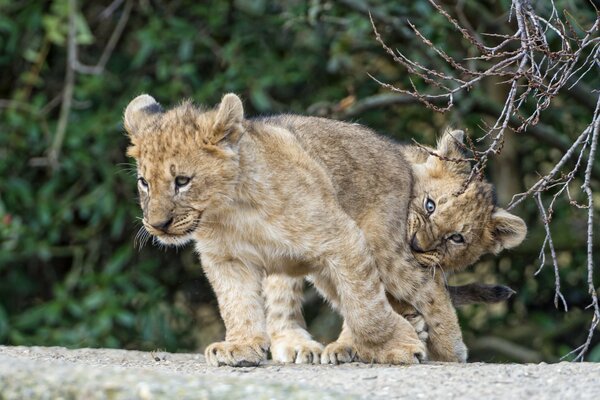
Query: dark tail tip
[{"x": 479, "y": 293}]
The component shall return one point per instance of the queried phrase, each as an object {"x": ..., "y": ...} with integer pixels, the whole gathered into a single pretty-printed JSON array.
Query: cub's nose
[
  {"x": 414, "y": 244},
  {"x": 164, "y": 225}
]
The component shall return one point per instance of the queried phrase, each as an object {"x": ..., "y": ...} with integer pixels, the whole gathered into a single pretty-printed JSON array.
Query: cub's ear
[
  {"x": 228, "y": 123},
  {"x": 508, "y": 230},
  {"x": 450, "y": 145},
  {"x": 137, "y": 110}
]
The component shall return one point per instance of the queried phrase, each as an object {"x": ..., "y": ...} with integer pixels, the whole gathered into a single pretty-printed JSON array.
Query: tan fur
[
  {"x": 294, "y": 196},
  {"x": 473, "y": 214},
  {"x": 283, "y": 195}
]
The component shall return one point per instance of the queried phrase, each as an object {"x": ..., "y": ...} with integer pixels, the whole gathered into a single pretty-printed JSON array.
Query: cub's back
[{"x": 368, "y": 171}]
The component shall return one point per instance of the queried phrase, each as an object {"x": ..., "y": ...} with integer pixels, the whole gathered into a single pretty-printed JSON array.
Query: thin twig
[
  {"x": 110, "y": 45},
  {"x": 67, "y": 97}
]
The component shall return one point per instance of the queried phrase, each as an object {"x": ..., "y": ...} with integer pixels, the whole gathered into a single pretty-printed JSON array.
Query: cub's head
[
  {"x": 187, "y": 162},
  {"x": 449, "y": 230}
]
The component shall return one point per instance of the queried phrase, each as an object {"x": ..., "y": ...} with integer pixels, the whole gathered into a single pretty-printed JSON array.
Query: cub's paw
[
  {"x": 338, "y": 353},
  {"x": 404, "y": 347},
  {"x": 401, "y": 353},
  {"x": 237, "y": 353},
  {"x": 296, "y": 349},
  {"x": 418, "y": 322}
]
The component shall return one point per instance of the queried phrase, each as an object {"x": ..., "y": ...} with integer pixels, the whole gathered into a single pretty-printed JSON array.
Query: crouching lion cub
[
  {"x": 279, "y": 196},
  {"x": 446, "y": 231}
]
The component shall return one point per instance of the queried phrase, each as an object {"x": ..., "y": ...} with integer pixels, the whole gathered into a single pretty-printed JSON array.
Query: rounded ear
[
  {"x": 138, "y": 109},
  {"x": 508, "y": 230},
  {"x": 228, "y": 122},
  {"x": 451, "y": 144}
]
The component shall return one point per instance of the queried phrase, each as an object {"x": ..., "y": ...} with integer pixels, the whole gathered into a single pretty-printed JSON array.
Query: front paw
[
  {"x": 237, "y": 353},
  {"x": 338, "y": 352},
  {"x": 404, "y": 347},
  {"x": 297, "y": 349},
  {"x": 394, "y": 352}
]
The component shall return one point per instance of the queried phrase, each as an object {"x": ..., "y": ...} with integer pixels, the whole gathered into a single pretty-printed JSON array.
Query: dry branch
[
  {"x": 74, "y": 66},
  {"x": 535, "y": 72}
]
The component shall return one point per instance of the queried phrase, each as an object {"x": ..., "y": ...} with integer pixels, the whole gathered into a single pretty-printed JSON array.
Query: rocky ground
[{"x": 54, "y": 372}]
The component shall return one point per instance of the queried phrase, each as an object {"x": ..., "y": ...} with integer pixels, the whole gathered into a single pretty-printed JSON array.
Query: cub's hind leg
[
  {"x": 290, "y": 341},
  {"x": 343, "y": 350},
  {"x": 238, "y": 289}
]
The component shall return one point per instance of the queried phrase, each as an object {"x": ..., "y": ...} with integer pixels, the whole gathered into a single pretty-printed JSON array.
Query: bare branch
[
  {"x": 548, "y": 242},
  {"x": 67, "y": 96},
  {"x": 110, "y": 45},
  {"x": 534, "y": 73},
  {"x": 73, "y": 66},
  {"x": 582, "y": 350}
]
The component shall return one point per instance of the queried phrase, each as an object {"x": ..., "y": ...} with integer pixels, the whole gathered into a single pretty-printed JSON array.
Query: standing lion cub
[{"x": 293, "y": 195}]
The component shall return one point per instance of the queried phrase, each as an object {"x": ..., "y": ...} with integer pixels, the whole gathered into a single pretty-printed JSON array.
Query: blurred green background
[{"x": 69, "y": 272}]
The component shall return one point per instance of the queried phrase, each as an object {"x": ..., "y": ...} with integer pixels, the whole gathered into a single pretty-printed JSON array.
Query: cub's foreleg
[
  {"x": 411, "y": 314},
  {"x": 238, "y": 289},
  {"x": 445, "y": 342},
  {"x": 290, "y": 341}
]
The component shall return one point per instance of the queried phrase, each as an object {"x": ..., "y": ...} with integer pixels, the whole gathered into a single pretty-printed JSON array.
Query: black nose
[
  {"x": 414, "y": 244},
  {"x": 163, "y": 226}
]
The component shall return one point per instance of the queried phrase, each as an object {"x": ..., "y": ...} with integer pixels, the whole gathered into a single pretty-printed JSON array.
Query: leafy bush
[{"x": 69, "y": 272}]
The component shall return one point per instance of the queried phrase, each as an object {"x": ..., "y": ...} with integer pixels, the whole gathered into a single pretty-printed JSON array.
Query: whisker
[
  {"x": 137, "y": 242},
  {"x": 146, "y": 237},
  {"x": 444, "y": 276},
  {"x": 128, "y": 168}
]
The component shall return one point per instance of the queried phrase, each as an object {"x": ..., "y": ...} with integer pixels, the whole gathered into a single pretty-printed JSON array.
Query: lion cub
[
  {"x": 278, "y": 196},
  {"x": 446, "y": 233}
]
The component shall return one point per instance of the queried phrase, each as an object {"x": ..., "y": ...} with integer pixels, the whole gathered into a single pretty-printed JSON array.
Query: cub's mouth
[
  {"x": 427, "y": 260},
  {"x": 425, "y": 257},
  {"x": 176, "y": 231}
]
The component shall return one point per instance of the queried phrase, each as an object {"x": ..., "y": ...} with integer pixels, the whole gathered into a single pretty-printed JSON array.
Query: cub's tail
[{"x": 479, "y": 293}]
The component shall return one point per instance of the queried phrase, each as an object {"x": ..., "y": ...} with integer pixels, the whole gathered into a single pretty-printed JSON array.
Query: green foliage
[{"x": 69, "y": 272}]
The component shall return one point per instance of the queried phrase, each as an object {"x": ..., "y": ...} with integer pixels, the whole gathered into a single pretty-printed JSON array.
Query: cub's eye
[
  {"x": 429, "y": 205},
  {"x": 181, "y": 181},
  {"x": 143, "y": 182},
  {"x": 457, "y": 238}
]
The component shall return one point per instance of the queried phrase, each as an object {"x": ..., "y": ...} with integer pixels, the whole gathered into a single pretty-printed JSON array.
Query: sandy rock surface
[{"x": 55, "y": 372}]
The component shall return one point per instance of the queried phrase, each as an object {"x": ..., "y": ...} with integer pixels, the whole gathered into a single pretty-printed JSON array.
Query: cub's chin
[{"x": 174, "y": 240}]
